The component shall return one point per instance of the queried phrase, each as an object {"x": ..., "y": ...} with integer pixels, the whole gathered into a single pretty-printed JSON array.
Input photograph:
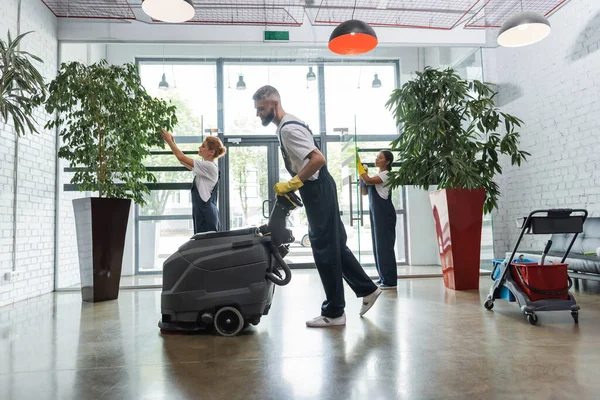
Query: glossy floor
[
  {"x": 421, "y": 342},
  {"x": 404, "y": 272}
]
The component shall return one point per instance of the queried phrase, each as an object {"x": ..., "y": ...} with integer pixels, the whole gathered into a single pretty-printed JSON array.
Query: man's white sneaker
[
  {"x": 324, "y": 322},
  {"x": 368, "y": 301}
]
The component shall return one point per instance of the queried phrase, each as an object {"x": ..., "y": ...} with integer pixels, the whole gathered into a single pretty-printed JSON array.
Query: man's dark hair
[{"x": 266, "y": 92}]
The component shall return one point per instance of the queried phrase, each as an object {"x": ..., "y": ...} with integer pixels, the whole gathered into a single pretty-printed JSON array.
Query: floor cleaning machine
[
  {"x": 538, "y": 286},
  {"x": 227, "y": 279}
]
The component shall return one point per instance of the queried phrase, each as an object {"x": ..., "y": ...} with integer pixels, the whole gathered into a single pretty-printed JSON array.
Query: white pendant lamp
[
  {"x": 523, "y": 29},
  {"x": 173, "y": 11}
]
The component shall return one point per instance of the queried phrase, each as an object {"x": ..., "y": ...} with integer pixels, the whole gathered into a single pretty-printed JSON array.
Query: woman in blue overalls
[
  {"x": 383, "y": 220},
  {"x": 206, "y": 177}
]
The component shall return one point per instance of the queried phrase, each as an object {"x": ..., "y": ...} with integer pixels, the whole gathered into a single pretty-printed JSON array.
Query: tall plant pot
[
  {"x": 458, "y": 215},
  {"x": 101, "y": 225}
]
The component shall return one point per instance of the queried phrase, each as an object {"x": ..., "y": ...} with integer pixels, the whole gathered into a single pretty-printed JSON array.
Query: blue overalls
[
  {"x": 333, "y": 258},
  {"x": 383, "y": 234},
  {"x": 205, "y": 213}
]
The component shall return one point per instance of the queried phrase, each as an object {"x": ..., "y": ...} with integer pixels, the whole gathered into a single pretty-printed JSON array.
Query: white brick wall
[
  {"x": 554, "y": 87},
  {"x": 36, "y": 174}
]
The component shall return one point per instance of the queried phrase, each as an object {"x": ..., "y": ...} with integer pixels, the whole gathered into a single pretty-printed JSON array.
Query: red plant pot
[{"x": 458, "y": 215}]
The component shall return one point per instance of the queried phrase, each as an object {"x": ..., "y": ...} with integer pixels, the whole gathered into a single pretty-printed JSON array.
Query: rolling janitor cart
[{"x": 539, "y": 286}]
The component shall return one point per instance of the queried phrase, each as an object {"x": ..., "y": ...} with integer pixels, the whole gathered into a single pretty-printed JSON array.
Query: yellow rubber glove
[
  {"x": 361, "y": 169},
  {"x": 284, "y": 187}
]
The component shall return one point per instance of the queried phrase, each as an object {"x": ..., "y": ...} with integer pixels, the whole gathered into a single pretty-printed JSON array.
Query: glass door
[
  {"x": 341, "y": 162},
  {"x": 249, "y": 187},
  {"x": 300, "y": 255}
]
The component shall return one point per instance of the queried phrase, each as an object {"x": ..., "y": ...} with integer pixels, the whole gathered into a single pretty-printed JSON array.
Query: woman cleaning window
[
  {"x": 383, "y": 219},
  {"x": 206, "y": 177}
]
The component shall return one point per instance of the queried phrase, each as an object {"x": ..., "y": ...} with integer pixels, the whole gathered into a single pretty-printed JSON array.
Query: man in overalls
[{"x": 307, "y": 166}]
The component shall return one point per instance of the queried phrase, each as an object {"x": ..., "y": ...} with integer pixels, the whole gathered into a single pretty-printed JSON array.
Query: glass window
[
  {"x": 192, "y": 88},
  {"x": 298, "y": 96},
  {"x": 349, "y": 94},
  {"x": 158, "y": 240}
]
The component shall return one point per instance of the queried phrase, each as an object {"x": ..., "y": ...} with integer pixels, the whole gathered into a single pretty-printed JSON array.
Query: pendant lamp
[
  {"x": 523, "y": 29},
  {"x": 241, "y": 85},
  {"x": 376, "y": 82},
  {"x": 169, "y": 10},
  {"x": 163, "y": 85},
  {"x": 352, "y": 37},
  {"x": 310, "y": 76}
]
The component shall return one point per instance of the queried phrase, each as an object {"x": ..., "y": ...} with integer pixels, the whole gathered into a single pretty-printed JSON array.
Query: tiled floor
[{"x": 420, "y": 342}]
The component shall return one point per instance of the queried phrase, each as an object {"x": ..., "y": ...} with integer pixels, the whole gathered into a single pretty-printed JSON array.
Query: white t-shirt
[
  {"x": 382, "y": 190},
  {"x": 206, "y": 174},
  {"x": 297, "y": 143}
]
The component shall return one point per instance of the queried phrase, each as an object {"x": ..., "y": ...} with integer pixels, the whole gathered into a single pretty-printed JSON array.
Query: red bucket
[{"x": 539, "y": 282}]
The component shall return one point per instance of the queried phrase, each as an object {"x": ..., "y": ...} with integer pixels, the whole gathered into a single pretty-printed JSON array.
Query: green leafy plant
[
  {"x": 22, "y": 87},
  {"x": 107, "y": 122},
  {"x": 450, "y": 136}
]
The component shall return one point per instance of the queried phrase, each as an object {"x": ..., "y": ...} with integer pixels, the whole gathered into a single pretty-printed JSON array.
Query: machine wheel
[
  {"x": 489, "y": 304},
  {"x": 575, "y": 315},
  {"x": 228, "y": 321},
  {"x": 532, "y": 318},
  {"x": 305, "y": 242}
]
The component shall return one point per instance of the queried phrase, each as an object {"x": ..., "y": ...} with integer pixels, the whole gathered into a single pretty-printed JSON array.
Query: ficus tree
[{"x": 107, "y": 122}]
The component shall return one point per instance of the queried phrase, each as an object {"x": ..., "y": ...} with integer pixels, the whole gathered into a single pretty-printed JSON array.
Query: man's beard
[{"x": 269, "y": 118}]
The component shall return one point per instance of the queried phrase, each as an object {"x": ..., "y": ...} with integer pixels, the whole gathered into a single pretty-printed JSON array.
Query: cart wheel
[
  {"x": 575, "y": 315},
  {"x": 489, "y": 304},
  {"x": 228, "y": 321},
  {"x": 532, "y": 318}
]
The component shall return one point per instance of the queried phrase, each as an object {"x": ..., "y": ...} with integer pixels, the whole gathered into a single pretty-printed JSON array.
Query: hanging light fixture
[
  {"x": 352, "y": 37},
  {"x": 523, "y": 29},
  {"x": 241, "y": 85},
  {"x": 163, "y": 85},
  {"x": 310, "y": 76},
  {"x": 376, "y": 82},
  {"x": 169, "y": 10}
]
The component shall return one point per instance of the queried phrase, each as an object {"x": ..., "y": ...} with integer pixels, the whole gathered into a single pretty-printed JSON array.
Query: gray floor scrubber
[{"x": 227, "y": 279}]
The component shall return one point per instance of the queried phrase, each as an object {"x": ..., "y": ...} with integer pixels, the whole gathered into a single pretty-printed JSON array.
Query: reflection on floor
[
  {"x": 420, "y": 342},
  {"x": 404, "y": 272}
]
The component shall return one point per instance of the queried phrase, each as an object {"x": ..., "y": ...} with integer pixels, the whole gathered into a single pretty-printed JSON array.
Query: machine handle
[
  {"x": 265, "y": 214},
  {"x": 272, "y": 276}
]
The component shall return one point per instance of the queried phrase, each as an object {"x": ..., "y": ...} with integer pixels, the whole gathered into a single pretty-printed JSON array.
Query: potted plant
[
  {"x": 21, "y": 85},
  {"x": 107, "y": 122},
  {"x": 451, "y": 139}
]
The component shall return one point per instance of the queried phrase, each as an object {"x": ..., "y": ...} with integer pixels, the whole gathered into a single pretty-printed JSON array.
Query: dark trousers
[{"x": 327, "y": 234}]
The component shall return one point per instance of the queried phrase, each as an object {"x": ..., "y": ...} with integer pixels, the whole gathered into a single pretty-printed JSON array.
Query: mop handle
[{"x": 548, "y": 245}]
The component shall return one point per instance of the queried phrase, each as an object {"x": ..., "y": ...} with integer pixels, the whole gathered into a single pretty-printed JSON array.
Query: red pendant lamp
[{"x": 352, "y": 37}]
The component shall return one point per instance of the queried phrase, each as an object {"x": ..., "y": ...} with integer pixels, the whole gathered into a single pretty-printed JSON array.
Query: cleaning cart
[{"x": 539, "y": 286}]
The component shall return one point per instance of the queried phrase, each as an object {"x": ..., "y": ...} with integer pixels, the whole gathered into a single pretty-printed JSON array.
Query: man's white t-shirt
[
  {"x": 297, "y": 143},
  {"x": 206, "y": 174},
  {"x": 382, "y": 190}
]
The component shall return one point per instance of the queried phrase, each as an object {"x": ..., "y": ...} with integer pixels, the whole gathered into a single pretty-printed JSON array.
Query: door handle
[
  {"x": 350, "y": 197},
  {"x": 360, "y": 210}
]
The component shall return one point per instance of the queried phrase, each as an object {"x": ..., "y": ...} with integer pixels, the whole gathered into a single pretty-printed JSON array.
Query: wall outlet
[{"x": 12, "y": 276}]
